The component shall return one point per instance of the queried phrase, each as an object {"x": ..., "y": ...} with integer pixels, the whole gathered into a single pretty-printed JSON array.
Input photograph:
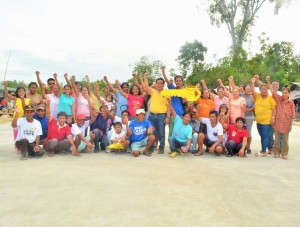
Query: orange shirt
[{"x": 205, "y": 106}]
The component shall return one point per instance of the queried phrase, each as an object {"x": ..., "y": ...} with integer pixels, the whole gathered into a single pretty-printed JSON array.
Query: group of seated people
[{"x": 133, "y": 119}]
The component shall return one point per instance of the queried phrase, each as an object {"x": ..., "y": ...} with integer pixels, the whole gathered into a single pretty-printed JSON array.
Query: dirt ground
[{"x": 119, "y": 190}]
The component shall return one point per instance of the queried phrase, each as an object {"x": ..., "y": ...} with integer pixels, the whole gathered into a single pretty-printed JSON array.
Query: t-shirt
[
  {"x": 44, "y": 124},
  {"x": 118, "y": 119},
  {"x": 57, "y": 132},
  {"x": 219, "y": 102},
  {"x": 263, "y": 109},
  {"x": 35, "y": 99},
  {"x": 177, "y": 102},
  {"x": 122, "y": 103},
  {"x": 95, "y": 101},
  {"x": 249, "y": 104},
  {"x": 76, "y": 130},
  {"x": 65, "y": 104},
  {"x": 181, "y": 132},
  {"x": 139, "y": 129},
  {"x": 28, "y": 130},
  {"x": 134, "y": 103},
  {"x": 206, "y": 106},
  {"x": 83, "y": 106},
  {"x": 236, "y": 108},
  {"x": 116, "y": 136},
  {"x": 235, "y": 135},
  {"x": 53, "y": 105},
  {"x": 213, "y": 132},
  {"x": 158, "y": 103},
  {"x": 103, "y": 124}
]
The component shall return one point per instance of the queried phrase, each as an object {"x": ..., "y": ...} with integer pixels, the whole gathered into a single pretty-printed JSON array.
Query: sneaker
[
  {"x": 182, "y": 153},
  {"x": 107, "y": 150},
  {"x": 96, "y": 150},
  {"x": 173, "y": 154},
  {"x": 161, "y": 151}
]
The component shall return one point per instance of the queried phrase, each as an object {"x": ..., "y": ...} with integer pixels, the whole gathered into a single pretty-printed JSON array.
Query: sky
[{"x": 107, "y": 37}]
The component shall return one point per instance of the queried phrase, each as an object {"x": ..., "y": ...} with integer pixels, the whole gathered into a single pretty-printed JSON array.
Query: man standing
[
  {"x": 29, "y": 131},
  {"x": 140, "y": 130},
  {"x": 159, "y": 110}
]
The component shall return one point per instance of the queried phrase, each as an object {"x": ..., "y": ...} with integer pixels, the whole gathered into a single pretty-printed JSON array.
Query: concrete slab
[{"x": 120, "y": 190}]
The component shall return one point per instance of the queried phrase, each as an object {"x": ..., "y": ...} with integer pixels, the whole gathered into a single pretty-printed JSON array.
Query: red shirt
[
  {"x": 57, "y": 132},
  {"x": 235, "y": 135}
]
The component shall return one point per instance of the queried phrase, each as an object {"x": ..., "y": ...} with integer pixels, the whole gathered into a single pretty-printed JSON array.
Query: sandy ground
[{"x": 120, "y": 190}]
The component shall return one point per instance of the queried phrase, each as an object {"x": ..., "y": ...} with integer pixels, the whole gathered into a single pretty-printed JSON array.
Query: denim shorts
[{"x": 137, "y": 145}]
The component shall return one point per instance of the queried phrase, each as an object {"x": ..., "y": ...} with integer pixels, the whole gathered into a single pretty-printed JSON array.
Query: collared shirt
[
  {"x": 236, "y": 135},
  {"x": 55, "y": 131},
  {"x": 158, "y": 103}
]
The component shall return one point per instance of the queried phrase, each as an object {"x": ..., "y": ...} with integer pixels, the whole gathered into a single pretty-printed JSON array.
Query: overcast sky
[{"x": 98, "y": 37}]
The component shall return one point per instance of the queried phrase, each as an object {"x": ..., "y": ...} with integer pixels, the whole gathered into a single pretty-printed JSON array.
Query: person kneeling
[
  {"x": 213, "y": 138},
  {"x": 237, "y": 137},
  {"x": 141, "y": 131},
  {"x": 182, "y": 134},
  {"x": 118, "y": 138},
  {"x": 29, "y": 131},
  {"x": 59, "y": 138}
]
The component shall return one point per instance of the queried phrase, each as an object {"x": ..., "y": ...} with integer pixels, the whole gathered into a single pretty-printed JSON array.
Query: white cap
[{"x": 138, "y": 111}]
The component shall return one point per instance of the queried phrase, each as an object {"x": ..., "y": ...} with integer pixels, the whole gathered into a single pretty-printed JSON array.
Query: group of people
[{"x": 133, "y": 118}]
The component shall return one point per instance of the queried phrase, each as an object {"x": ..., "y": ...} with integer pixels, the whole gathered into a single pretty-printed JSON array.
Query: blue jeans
[
  {"x": 158, "y": 122},
  {"x": 264, "y": 132},
  {"x": 232, "y": 147},
  {"x": 100, "y": 137},
  {"x": 271, "y": 139},
  {"x": 175, "y": 144}
]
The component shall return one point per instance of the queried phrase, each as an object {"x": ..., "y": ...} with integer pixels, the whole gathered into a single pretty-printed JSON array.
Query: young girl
[
  {"x": 109, "y": 102},
  {"x": 224, "y": 118}
]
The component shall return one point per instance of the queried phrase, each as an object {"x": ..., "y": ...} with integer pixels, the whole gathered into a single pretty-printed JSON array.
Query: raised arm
[
  {"x": 125, "y": 95},
  {"x": 67, "y": 80},
  {"x": 57, "y": 82},
  {"x": 109, "y": 85},
  {"x": 43, "y": 86},
  {"x": 11, "y": 97},
  {"x": 204, "y": 85},
  {"x": 88, "y": 84},
  {"x": 135, "y": 81},
  {"x": 37, "y": 73},
  {"x": 163, "y": 71},
  {"x": 145, "y": 85},
  {"x": 74, "y": 86},
  {"x": 48, "y": 113},
  {"x": 253, "y": 88},
  {"x": 269, "y": 84}
]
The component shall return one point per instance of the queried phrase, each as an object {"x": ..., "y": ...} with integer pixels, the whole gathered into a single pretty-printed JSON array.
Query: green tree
[
  {"x": 191, "y": 54},
  {"x": 146, "y": 65},
  {"x": 238, "y": 16}
]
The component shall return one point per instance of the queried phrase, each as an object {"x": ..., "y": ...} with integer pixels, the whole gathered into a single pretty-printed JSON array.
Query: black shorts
[{"x": 209, "y": 143}]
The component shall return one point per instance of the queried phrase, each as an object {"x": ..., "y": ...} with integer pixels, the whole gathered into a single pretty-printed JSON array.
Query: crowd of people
[{"x": 76, "y": 119}]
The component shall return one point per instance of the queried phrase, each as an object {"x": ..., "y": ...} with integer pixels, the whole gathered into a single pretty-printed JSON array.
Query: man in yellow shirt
[{"x": 159, "y": 110}]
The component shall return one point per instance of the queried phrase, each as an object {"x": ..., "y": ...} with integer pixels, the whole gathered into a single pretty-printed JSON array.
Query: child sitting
[{"x": 118, "y": 138}]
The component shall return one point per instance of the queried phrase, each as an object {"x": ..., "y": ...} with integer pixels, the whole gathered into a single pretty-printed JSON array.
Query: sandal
[
  {"x": 276, "y": 156},
  {"x": 260, "y": 154},
  {"x": 285, "y": 157},
  {"x": 147, "y": 153},
  {"x": 199, "y": 153}
]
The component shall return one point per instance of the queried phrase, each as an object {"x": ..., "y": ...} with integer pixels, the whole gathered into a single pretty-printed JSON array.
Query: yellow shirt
[
  {"x": 18, "y": 103},
  {"x": 95, "y": 101},
  {"x": 263, "y": 109},
  {"x": 158, "y": 103}
]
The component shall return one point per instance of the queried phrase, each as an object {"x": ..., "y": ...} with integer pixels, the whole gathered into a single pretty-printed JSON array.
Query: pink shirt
[
  {"x": 235, "y": 106},
  {"x": 219, "y": 102},
  {"x": 134, "y": 103},
  {"x": 83, "y": 106}
]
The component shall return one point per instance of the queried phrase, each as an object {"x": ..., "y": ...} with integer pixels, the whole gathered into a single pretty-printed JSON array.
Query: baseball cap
[
  {"x": 40, "y": 107},
  {"x": 80, "y": 117},
  {"x": 29, "y": 107},
  {"x": 138, "y": 111}
]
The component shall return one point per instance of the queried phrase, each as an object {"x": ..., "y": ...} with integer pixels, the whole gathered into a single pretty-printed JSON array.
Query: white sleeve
[
  {"x": 75, "y": 130},
  {"x": 220, "y": 130}
]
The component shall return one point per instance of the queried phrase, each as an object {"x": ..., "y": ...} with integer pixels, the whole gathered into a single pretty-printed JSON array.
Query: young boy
[{"x": 118, "y": 137}]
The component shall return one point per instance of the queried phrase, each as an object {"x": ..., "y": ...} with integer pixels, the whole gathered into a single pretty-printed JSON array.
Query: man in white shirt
[
  {"x": 29, "y": 131},
  {"x": 213, "y": 138}
]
